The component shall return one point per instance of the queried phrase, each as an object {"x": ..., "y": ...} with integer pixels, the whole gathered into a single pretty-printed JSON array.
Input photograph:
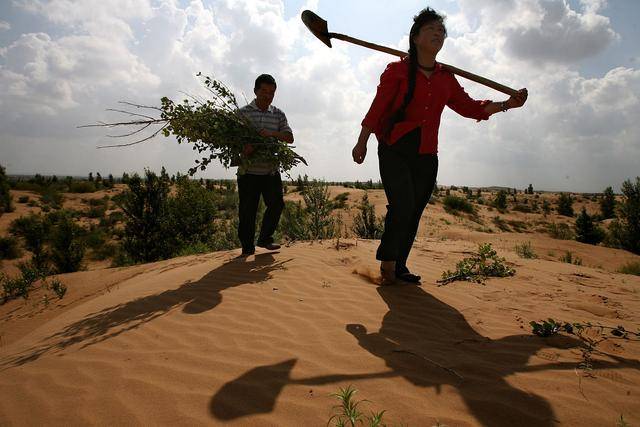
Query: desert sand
[{"x": 215, "y": 339}]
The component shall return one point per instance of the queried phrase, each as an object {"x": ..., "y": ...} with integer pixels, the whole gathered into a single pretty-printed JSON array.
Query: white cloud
[
  {"x": 140, "y": 51},
  {"x": 4, "y": 25}
]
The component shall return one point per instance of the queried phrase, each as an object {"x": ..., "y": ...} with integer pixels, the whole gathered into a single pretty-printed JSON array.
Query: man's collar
[{"x": 253, "y": 105}]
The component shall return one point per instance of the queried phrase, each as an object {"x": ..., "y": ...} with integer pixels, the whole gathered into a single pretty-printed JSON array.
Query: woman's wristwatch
[{"x": 504, "y": 105}]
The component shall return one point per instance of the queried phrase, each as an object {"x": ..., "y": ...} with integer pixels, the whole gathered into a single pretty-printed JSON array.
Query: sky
[{"x": 63, "y": 63}]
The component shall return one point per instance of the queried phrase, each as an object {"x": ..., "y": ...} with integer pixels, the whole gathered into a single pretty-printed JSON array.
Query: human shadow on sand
[
  {"x": 193, "y": 298},
  {"x": 430, "y": 344}
]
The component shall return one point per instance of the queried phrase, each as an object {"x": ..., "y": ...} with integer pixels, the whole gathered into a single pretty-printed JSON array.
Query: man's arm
[
  {"x": 280, "y": 135},
  {"x": 284, "y": 132}
]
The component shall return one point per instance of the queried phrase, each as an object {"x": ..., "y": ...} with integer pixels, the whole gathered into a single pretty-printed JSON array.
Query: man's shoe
[
  {"x": 269, "y": 246},
  {"x": 247, "y": 252}
]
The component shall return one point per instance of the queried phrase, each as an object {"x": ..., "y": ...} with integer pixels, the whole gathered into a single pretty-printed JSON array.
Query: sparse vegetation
[
  {"x": 67, "y": 248},
  {"x": 366, "y": 224},
  {"x": 608, "y": 204},
  {"x": 500, "y": 201},
  {"x": 501, "y": 224},
  {"x": 632, "y": 267},
  {"x": 455, "y": 204},
  {"x": 586, "y": 230},
  {"x": 340, "y": 201},
  {"x": 625, "y": 231},
  {"x": 584, "y": 332},
  {"x": 524, "y": 250},
  {"x": 479, "y": 267},
  {"x": 570, "y": 259},
  {"x": 318, "y": 207},
  {"x": 349, "y": 413},
  {"x": 9, "y": 248},
  {"x": 22, "y": 285},
  {"x": 6, "y": 204},
  {"x": 560, "y": 231},
  {"x": 35, "y": 231},
  {"x": 565, "y": 205}
]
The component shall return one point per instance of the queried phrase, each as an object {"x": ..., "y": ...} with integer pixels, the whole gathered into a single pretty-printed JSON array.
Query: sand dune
[{"x": 263, "y": 341}]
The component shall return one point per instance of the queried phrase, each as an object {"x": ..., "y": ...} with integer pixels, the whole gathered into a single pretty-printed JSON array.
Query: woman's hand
[
  {"x": 518, "y": 100},
  {"x": 359, "y": 152}
]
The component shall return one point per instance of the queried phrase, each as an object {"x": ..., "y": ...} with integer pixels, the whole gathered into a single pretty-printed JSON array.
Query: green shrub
[
  {"x": 626, "y": 230},
  {"x": 608, "y": 204},
  {"x": 21, "y": 285},
  {"x": 500, "y": 201},
  {"x": 518, "y": 226},
  {"x": 51, "y": 196},
  {"x": 586, "y": 230},
  {"x": 6, "y": 204},
  {"x": 226, "y": 235},
  {"x": 193, "y": 249},
  {"x": 455, "y": 204},
  {"x": 9, "y": 248},
  {"x": 318, "y": 206},
  {"x": 294, "y": 220},
  {"x": 349, "y": 413},
  {"x": 146, "y": 206},
  {"x": 95, "y": 238},
  {"x": 82, "y": 187},
  {"x": 301, "y": 183},
  {"x": 525, "y": 250},
  {"x": 366, "y": 225},
  {"x": 105, "y": 251},
  {"x": 501, "y": 224},
  {"x": 565, "y": 205},
  {"x": 58, "y": 288},
  {"x": 96, "y": 212},
  {"x": 560, "y": 231},
  {"x": 192, "y": 213},
  {"x": 67, "y": 248},
  {"x": 522, "y": 208},
  {"x": 568, "y": 258},
  {"x": 340, "y": 201},
  {"x": 632, "y": 267},
  {"x": 35, "y": 232},
  {"x": 99, "y": 202},
  {"x": 479, "y": 267}
]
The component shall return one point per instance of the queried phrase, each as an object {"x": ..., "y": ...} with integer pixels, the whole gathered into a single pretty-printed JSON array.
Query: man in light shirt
[{"x": 262, "y": 179}]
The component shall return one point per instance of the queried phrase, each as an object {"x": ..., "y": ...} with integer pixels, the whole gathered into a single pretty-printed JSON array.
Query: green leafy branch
[{"x": 214, "y": 126}]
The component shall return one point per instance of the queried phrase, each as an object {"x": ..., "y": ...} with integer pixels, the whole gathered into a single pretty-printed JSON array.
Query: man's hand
[
  {"x": 266, "y": 133},
  {"x": 518, "y": 100},
  {"x": 359, "y": 152}
]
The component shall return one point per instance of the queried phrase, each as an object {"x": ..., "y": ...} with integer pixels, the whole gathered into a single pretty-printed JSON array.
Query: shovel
[{"x": 319, "y": 28}]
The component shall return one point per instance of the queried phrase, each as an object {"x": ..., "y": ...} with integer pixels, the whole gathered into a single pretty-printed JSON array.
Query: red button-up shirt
[{"x": 424, "y": 111}]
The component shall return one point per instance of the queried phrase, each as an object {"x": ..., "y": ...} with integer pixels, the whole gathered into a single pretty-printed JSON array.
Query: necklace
[{"x": 427, "y": 68}]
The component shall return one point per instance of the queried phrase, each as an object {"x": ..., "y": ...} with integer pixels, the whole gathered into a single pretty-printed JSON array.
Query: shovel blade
[{"x": 317, "y": 26}]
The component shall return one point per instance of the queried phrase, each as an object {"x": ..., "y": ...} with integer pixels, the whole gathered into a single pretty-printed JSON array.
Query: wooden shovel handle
[{"x": 462, "y": 73}]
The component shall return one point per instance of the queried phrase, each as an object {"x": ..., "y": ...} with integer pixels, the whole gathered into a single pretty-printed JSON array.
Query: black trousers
[
  {"x": 250, "y": 188},
  {"x": 408, "y": 179}
]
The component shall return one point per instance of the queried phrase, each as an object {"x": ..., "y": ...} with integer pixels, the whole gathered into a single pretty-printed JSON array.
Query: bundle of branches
[
  {"x": 486, "y": 263},
  {"x": 214, "y": 127}
]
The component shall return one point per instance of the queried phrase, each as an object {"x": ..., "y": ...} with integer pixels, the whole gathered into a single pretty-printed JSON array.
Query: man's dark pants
[
  {"x": 250, "y": 188},
  {"x": 408, "y": 179}
]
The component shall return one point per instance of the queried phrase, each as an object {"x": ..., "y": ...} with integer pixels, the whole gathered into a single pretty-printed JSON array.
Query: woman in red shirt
[{"x": 405, "y": 116}]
